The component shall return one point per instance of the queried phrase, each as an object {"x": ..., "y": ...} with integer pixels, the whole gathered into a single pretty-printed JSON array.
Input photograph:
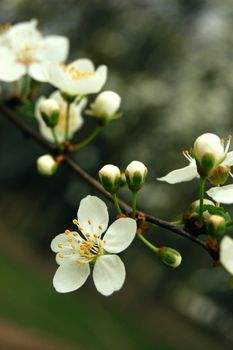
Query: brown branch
[{"x": 30, "y": 132}]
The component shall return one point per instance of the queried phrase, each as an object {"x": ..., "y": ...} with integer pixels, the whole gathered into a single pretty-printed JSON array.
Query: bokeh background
[{"x": 172, "y": 63}]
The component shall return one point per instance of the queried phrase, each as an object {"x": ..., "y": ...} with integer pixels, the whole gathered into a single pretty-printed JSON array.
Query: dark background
[{"x": 172, "y": 63}]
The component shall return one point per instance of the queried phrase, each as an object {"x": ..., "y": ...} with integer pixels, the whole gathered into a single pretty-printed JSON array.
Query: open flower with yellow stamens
[
  {"x": 77, "y": 78},
  {"x": 206, "y": 144},
  {"x": 77, "y": 251},
  {"x": 75, "y": 118},
  {"x": 23, "y": 50}
]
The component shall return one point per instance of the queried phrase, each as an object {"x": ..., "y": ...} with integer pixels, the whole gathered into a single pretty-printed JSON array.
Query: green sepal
[
  {"x": 50, "y": 121},
  {"x": 68, "y": 98},
  {"x": 110, "y": 186},
  {"x": 136, "y": 183}
]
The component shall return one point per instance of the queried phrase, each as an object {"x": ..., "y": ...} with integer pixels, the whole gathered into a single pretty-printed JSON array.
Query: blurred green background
[{"x": 172, "y": 63}]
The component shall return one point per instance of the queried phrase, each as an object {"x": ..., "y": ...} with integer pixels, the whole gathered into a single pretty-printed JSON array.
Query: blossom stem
[
  {"x": 55, "y": 138},
  {"x": 201, "y": 195},
  {"x": 26, "y": 83},
  {"x": 88, "y": 139},
  {"x": 148, "y": 244},
  {"x": 116, "y": 203},
  {"x": 67, "y": 121},
  {"x": 134, "y": 204}
]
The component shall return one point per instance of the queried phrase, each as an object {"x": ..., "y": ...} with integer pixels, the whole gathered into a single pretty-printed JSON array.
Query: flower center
[
  {"x": 26, "y": 55},
  {"x": 80, "y": 247},
  {"x": 75, "y": 73}
]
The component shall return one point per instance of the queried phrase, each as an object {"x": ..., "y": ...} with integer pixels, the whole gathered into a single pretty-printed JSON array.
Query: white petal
[
  {"x": 229, "y": 159},
  {"x": 187, "y": 173},
  {"x": 37, "y": 72},
  {"x": 70, "y": 277},
  {"x": 54, "y": 48},
  {"x": 109, "y": 274},
  {"x": 83, "y": 65},
  {"x": 10, "y": 70},
  {"x": 91, "y": 84},
  {"x": 222, "y": 194},
  {"x": 226, "y": 253},
  {"x": 93, "y": 215},
  {"x": 61, "y": 238},
  {"x": 120, "y": 235}
]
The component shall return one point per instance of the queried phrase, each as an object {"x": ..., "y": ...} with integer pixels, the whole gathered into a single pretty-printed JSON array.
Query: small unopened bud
[
  {"x": 110, "y": 177},
  {"x": 216, "y": 226},
  {"x": 46, "y": 165},
  {"x": 220, "y": 175},
  {"x": 49, "y": 110},
  {"x": 170, "y": 257},
  {"x": 106, "y": 105},
  {"x": 192, "y": 210},
  {"x": 135, "y": 175},
  {"x": 208, "y": 151}
]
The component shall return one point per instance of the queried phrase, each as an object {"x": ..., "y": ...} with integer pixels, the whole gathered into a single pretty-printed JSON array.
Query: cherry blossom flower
[
  {"x": 23, "y": 50},
  {"x": 77, "y": 78},
  {"x": 76, "y": 252},
  {"x": 75, "y": 118}
]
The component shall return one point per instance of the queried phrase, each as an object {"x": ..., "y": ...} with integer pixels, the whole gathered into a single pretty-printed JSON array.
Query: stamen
[
  {"x": 70, "y": 239},
  {"x": 80, "y": 228},
  {"x": 95, "y": 235},
  {"x": 81, "y": 261},
  {"x": 67, "y": 232},
  {"x": 100, "y": 227},
  {"x": 75, "y": 222},
  {"x": 60, "y": 255},
  {"x": 88, "y": 235},
  {"x": 89, "y": 221},
  {"x": 59, "y": 245},
  {"x": 75, "y": 234}
]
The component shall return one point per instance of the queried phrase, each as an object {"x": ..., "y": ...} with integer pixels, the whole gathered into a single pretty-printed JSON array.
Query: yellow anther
[
  {"x": 81, "y": 252},
  {"x": 80, "y": 228},
  {"x": 74, "y": 252},
  {"x": 59, "y": 245},
  {"x": 73, "y": 246},
  {"x": 70, "y": 239},
  {"x": 79, "y": 241},
  {"x": 100, "y": 227},
  {"x": 89, "y": 221},
  {"x": 75, "y": 222},
  {"x": 63, "y": 66},
  {"x": 88, "y": 235},
  {"x": 75, "y": 234},
  {"x": 89, "y": 256},
  {"x": 105, "y": 241},
  {"x": 95, "y": 235},
  {"x": 60, "y": 255},
  {"x": 67, "y": 232}
]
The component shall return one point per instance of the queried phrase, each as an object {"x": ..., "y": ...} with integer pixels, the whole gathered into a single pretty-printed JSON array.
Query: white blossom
[
  {"x": 77, "y": 78},
  {"x": 23, "y": 50},
  {"x": 75, "y": 117},
  {"x": 77, "y": 251},
  {"x": 49, "y": 106}
]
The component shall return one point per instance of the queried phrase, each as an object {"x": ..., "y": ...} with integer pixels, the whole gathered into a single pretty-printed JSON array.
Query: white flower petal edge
[
  {"x": 120, "y": 235},
  {"x": 229, "y": 159},
  {"x": 226, "y": 253},
  {"x": 222, "y": 194},
  {"x": 70, "y": 277},
  {"x": 93, "y": 215},
  {"x": 109, "y": 274},
  {"x": 187, "y": 173},
  {"x": 54, "y": 48}
]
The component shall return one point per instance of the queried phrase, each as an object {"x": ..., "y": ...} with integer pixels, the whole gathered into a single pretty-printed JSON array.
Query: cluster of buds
[{"x": 111, "y": 177}]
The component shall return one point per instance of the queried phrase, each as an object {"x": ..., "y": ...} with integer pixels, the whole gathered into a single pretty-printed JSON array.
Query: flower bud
[
  {"x": 110, "y": 177},
  {"x": 170, "y": 257},
  {"x": 209, "y": 152},
  {"x": 46, "y": 165},
  {"x": 49, "y": 110},
  {"x": 192, "y": 210},
  {"x": 216, "y": 226},
  {"x": 220, "y": 175},
  {"x": 106, "y": 105},
  {"x": 135, "y": 175}
]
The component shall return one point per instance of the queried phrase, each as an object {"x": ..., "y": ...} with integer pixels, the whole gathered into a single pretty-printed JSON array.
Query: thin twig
[{"x": 30, "y": 132}]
